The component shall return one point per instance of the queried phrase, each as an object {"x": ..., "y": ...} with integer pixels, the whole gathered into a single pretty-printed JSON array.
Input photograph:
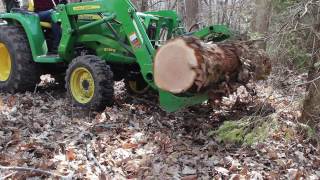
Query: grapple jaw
[{"x": 170, "y": 102}]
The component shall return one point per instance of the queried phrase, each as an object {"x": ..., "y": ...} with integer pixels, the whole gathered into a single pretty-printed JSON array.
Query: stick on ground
[{"x": 16, "y": 168}]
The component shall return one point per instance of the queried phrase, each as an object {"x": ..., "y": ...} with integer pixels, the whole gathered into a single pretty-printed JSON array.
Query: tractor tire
[
  {"x": 18, "y": 71},
  {"x": 89, "y": 83}
]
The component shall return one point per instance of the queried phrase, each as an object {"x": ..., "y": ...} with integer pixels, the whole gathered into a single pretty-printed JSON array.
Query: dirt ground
[{"x": 42, "y": 136}]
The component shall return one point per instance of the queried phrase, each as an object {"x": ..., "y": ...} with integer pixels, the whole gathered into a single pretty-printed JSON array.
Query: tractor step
[{"x": 52, "y": 58}]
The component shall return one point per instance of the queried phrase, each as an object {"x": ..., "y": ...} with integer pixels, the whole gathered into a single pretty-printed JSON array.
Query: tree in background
[
  {"x": 2, "y": 8},
  {"x": 192, "y": 14},
  {"x": 142, "y": 5},
  {"x": 261, "y": 19},
  {"x": 297, "y": 29},
  {"x": 311, "y": 106},
  {"x": 293, "y": 33}
]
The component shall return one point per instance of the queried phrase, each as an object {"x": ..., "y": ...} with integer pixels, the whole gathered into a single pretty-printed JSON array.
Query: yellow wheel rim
[
  {"x": 82, "y": 85},
  {"x": 5, "y": 63}
]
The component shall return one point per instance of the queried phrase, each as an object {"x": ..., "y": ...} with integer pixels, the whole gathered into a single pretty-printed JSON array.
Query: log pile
[{"x": 189, "y": 65}]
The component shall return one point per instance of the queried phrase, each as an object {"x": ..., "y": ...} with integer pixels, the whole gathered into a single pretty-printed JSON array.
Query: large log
[{"x": 187, "y": 64}]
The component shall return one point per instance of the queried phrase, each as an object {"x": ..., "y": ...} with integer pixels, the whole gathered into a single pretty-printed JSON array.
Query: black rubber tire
[
  {"x": 24, "y": 74},
  {"x": 103, "y": 81}
]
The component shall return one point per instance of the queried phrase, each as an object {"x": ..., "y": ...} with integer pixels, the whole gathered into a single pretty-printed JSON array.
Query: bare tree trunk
[
  {"x": 181, "y": 9},
  {"x": 142, "y": 5},
  {"x": 238, "y": 19},
  {"x": 311, "y": 106},
  {"x": 225, "y": 11},
  {"x": 261, "y": 20},
  {"x": 210, "y": 12},
  {"x": 2, "y": 8},
  {"x": 192, "y": 12},
  {"x": 135, "y": 2},
  {"x": 218, "y": 10}
]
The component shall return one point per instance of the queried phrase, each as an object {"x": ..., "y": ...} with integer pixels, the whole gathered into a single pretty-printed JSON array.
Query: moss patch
[{"x": 248, "y": 130}]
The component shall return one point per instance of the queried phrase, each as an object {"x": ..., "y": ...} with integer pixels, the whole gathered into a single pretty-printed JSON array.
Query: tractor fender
[{"x": 30, "y": 22}]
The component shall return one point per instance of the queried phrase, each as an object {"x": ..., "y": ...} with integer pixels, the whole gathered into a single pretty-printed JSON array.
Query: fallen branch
[
  {"x": 16, "y": 168},
  {"x": 7, "y": 176},
  {"x": 91, "y": 157}
]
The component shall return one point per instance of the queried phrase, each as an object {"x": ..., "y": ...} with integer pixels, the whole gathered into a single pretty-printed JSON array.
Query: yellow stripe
[{"x": 86, "y": 7}]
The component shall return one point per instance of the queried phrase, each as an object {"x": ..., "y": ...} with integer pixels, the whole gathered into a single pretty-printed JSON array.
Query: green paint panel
[
  {"x": 48, "y": 59},
  {"x": 31, "y": 25},
  {"x": 172, "y": 103},
  {"x": 214, "y": 33}
]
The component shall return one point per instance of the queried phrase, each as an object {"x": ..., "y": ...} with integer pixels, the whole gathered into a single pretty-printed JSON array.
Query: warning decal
[{"x": 134, "y": 40}]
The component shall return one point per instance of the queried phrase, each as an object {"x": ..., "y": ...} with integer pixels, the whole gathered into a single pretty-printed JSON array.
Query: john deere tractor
[{"x": 102, "y": 41}]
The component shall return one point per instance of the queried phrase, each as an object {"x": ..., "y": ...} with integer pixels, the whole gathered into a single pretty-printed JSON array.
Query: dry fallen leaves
[
  {"x": 1, "y": 105},
  {"x": 136, "y": 139},
  {"x": 70, "y": 154},
  {"x": 11, "y": 101},
  {"x": 190, "y": 177},
  {"x": 129, "y": 146}
]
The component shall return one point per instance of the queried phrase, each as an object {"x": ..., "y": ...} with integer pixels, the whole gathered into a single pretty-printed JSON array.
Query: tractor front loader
[{"x": 102, "y": 41}]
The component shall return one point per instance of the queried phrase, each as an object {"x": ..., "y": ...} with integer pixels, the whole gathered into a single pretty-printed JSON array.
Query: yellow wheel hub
[
  {"x": 82, "y": 85},
  {"x": 5, "y": 63}
]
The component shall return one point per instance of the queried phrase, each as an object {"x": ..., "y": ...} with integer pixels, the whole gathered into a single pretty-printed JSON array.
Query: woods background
[
  {"x": 263, "y": 136},
  {"x": 287, "y": 29}
]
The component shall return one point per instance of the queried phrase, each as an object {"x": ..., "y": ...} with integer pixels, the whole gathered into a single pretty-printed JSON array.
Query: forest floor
[{"x": 136, "y": 139}]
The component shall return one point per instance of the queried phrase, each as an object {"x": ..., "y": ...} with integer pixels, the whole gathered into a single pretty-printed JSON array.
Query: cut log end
[
  {"x": 187, "y": 65},
  {"x": 174, "y": 66}
]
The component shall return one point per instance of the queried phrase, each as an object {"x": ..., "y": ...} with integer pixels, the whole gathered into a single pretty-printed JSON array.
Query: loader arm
[
  {"x": 121, "y": 11},
  {"x": 124, "y": 13}
]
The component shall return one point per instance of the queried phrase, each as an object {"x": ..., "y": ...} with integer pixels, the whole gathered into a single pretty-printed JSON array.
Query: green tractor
[{"x": 102, "y": 41}]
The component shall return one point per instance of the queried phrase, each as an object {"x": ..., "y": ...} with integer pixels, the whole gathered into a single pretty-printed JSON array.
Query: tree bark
[
  {"x": 225, "y": 11},
  {"x": 135, "y": 2},
  {"x": 2, "y": 7},
  {"x": 261, "y": 20},
  {"x": 181, "y": 10},
  {"x": 192, "y": 12},
  {"x": 142, "y": 5},
  {"x": 189, "y": 65},
  {"x": 311, "y": 105},
  {"x": 210, "y": 12}
]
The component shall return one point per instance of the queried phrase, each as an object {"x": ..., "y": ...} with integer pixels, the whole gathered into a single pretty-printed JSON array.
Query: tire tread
[
  {"x": 25, "y": 72},
  {"x": 103, "y": 77}
]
